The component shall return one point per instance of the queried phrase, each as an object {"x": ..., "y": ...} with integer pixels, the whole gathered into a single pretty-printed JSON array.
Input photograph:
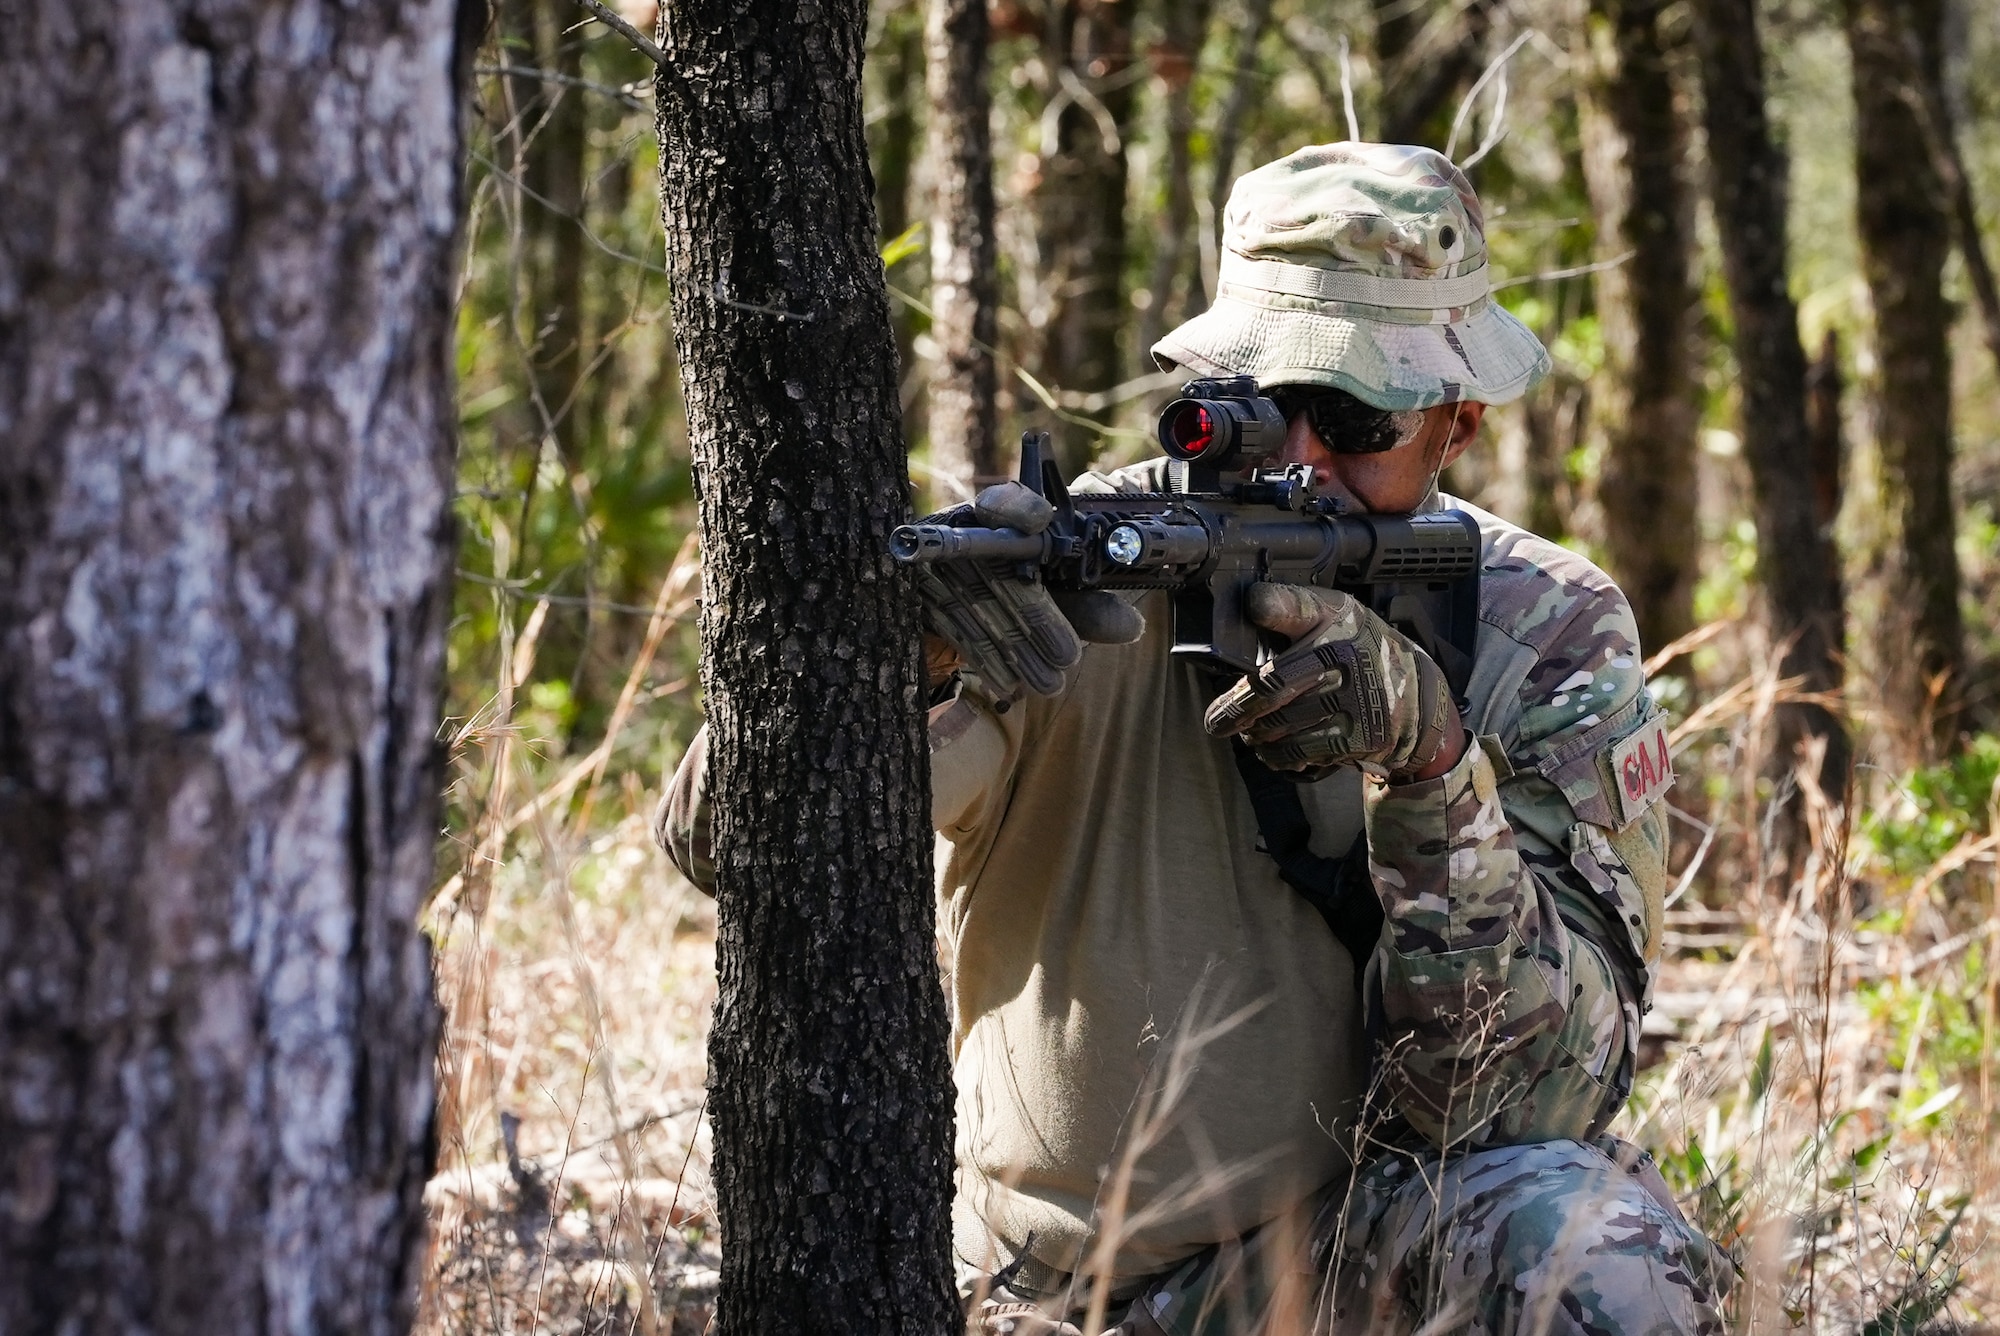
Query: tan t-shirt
[{"x": 1142, "y": 1009}]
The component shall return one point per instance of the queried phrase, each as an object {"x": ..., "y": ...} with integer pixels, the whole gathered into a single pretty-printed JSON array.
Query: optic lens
[
  {"x": 1124, "y": 545},
  {"x": 1191, "y": 431}
]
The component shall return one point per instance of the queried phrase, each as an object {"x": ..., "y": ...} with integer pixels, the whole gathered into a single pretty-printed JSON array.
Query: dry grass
[{"x": 1799, "y": 1088}]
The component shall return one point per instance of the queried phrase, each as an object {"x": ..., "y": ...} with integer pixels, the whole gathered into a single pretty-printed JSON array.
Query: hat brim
[{"x": 1489, "y": 356}]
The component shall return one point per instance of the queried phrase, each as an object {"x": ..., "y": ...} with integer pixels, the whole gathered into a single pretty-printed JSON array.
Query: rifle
[{"x": 1226, "y": 522}]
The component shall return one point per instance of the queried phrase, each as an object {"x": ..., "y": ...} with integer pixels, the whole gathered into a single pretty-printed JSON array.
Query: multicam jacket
[{"x": 1157, "y": 1038}]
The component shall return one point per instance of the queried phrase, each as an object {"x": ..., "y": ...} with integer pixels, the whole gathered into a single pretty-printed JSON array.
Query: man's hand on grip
[
  {"x": 1350, "y": 689},
  {"x": 1006, "y": 628}
]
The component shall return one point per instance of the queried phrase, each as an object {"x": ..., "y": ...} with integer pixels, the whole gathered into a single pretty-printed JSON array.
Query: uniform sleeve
[
  {"x": 968, "y": 751},
  {"x": 1509, "y": 979}
]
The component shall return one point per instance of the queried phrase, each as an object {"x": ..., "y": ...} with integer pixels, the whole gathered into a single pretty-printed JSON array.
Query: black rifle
[{"x": 1226, "y": 523}]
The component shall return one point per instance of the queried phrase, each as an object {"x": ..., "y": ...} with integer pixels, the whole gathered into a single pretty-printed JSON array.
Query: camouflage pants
[{"x": 1563, "y": 1238}]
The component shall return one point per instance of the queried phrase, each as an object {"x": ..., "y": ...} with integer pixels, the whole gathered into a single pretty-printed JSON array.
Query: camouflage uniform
[{"x": 1522, "y": 889}]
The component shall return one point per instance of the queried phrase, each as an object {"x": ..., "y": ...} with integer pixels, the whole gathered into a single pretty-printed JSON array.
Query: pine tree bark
[
  {"x": 1079, "y": 205},
  {"x": 1646, "y": 399},
  {"x": 1175, "y": 285},
  {"x": 1905, "y": 229},
  {"x": 1797, "y": 563},
  {"x": 227, "y": 255},
  {"x": 965, "y": 297},
  {"x": 829, "y": 1084}
]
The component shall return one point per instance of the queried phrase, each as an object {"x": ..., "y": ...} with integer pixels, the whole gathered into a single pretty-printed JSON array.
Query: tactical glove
[
  {"x": 1006, "y": 628},
  {"x": 1350, "y": 689}
]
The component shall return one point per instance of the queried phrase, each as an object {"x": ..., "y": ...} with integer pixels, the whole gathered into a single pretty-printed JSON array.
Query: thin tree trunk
[
  {"x": 1647, "y": 401},
  {"x": 1080, "y": 207},
  {"x": 1905, "y": 234},
  {"x": 1425, "y": 55},
  {"x": 1796, "y": 559},
  {"x": 894, "y": 142},
  {"x": 1235, "y": 105},
  {"x": 1175, "y": 282},
  {"x": 1824, "y": 385},
  {"x": 964, "y": 407},
  {"x": 557, "y": 163},
  {"x": 829, "y": 1081},
  {"x": 227, "y": 244}
]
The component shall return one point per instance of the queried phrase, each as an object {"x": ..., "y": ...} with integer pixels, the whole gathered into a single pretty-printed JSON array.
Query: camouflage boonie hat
[{"x": 1361, "y": 267}]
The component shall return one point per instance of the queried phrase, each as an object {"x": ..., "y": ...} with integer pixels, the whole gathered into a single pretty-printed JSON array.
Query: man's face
[{"x": 1393, "y": 481}]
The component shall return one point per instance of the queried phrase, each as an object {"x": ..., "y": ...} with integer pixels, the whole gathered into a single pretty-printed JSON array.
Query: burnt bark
[
  {"x": 1235, "y": 106},
  {"x": 1175, "y": 285},
  {"x": 1797, "y": 563},
  {"x": 1647, "y": 400},
  {"x": 895, "y": 140},
  {"x": 1079, "y": 204},
  {"x": 1427, "y": 55},
  {"x": 1824, "y": 387},
  {"x": 1905, "y": 229},
  {"x": 829, "y": 1082},
  {"x": 227, "y": 244},
  {"x": 965, "y": 298}
]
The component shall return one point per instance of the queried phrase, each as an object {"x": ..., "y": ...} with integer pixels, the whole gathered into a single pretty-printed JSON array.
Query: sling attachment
[{"x": 1339, "y": 888}]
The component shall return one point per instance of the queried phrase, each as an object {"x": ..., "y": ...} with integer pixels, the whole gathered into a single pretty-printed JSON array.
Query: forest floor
[{"x": 1817, "y": 1080}]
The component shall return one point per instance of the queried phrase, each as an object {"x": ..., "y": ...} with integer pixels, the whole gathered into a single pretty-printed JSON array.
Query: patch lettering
[{"x": 1642, "y": 767}]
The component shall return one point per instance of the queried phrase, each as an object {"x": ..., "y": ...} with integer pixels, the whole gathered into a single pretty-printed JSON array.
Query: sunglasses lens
[{"x": 1343, "y": 422}]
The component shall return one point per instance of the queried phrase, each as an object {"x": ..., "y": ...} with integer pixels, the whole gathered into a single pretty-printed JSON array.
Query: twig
[
  {"x": 628, "y": 94},
  {"x": 1576, "y": 272},
  {"x": 609, "y": 18},
  {"x": 1498, "y": 68},
  {"x": 1035, "y": 387},
  {"x": 1347, "y": 91},
  {"x": 518, "y": 590},
  {"x": 503, "y": 174}
]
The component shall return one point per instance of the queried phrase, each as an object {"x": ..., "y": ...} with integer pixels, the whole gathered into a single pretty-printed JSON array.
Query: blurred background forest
[{"x": 1775, "y": 418}]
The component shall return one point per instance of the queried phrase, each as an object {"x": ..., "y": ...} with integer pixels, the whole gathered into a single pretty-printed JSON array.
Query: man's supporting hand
[
  {"x": 1006, "y": 628},
  {"x": 1350, "y": 689}
]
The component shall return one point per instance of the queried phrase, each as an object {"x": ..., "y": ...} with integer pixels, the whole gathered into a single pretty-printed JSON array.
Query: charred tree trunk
[
  {"x": 829, "y": 1081},
  {"x": 1905, "y": 231},
  {"x": 555, "y": 173},
  {"x": 1175, "y": 286},
  {"x": 1646, "y": 401},
  {"x": 1426, "y": 55},
  {"x": 895, "y": 139},
  {"x": 1797, "y": 562},
  {"x": 1079, "y": 206},
  {"x": 1824, "y": 386},
  {"x": 1235, "y": 106},
  {"x": 226, "y": 429},
  {"x": 965, "y": 298}
]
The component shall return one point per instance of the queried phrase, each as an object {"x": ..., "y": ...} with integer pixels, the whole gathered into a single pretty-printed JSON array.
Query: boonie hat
[{"x": 1361, "y": 267}]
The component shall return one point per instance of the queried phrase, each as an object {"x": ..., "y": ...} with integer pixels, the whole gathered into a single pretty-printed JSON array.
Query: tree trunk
[
  {"x": 227, "y": 260},
  {"x": 554, "y": 173},
  {"x": 1175, "y": 286},
  {"x": 1797, "y": 562},
  {"x": 1824, "y": 385},
  {"x": 1646, "y": 400},
  {"x": 1905, "y": 232},
  {"x": 1080, "y": 207},
  {"x": 965, "y": 303},
  {"x": 829, "y": 1081},
  {"x": 1424, "y": 60},
  {"x": 1235, "y": 105},
  {"x": 894, "y": 142}
]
